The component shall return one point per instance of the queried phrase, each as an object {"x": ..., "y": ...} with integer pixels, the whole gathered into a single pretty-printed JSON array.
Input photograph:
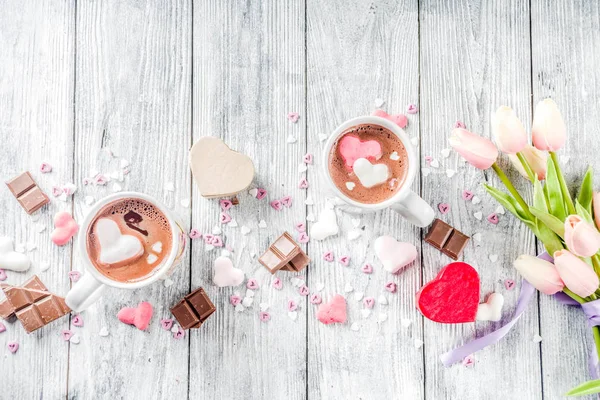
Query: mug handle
[
  {"x": 415, "y": 210},
  {"x": 85, "y": 292}
]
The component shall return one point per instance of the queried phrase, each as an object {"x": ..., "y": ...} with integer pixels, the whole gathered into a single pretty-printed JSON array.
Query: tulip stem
[
  {"x": 512, "y": 190},
  {"x": 572, "y": 295},
  {"x": 596, "y": 333},
  {"x": 563, "y": 184},
  {"x": 526, "y": 166}
]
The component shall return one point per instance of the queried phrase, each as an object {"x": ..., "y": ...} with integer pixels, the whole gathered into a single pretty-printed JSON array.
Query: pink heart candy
[
  {"x": 303, "y": 237},
  {"x": 459, "y": 124},
  {"x": 195, "y": 234},
  {"x": 509, "y": 284},
  {"x": 277, "y": 284},
  {"x": 3, "y": 275},
  {"x": 291, "y": 305},
  {"x": 224, "y": 218},
  {"x": 398, "y": 119},
  {"x": 301, "y": 227},
  {"x": 45, "y": 168},
  {"x": 367, "y": 269},
  {"x": 293, "y": 116},
  {"x": 139, "y": 316},
  {"x": 352, "y": 148},
  {"x": 225, "y": 204},
  {"x": 216, "y": 241},
  {"x": 391, "y": 287},
  {"x": 308, "y": 158},
  {"x": 276, "y": 204},
  {"x": 444, "y": 208},
  {"x": 166, "y": 324},
  {"x": 369, "y": 302},
  {"x": 86, "y": 181},
  {"x": 315, "y": 298},
  {"x": 303, "y": 184},
  {"x": 334, "y": 311},
  {"x": 74, "y": 276},
  {"x": 493, "y": 219},
  {"x": 57, "y": 191},
  {"x": 467, "y": 195},
  {"x": 100, "y": 180},
  {"x": 412, "y": 109},
  {"x": 180, "y": 334},
  {"x": 304, "y": 290},
  {"x": 13, "y": 347},
  {"x": 260, "y": 193},
  {"x": 65, "y": 228},
  {"x": 287, "y": 201},
  {"x": 328, "y": 256},
  {"x": 264, "y": 316},
  {"x": 234, "y": 299},
  {"x": 66, "y": 335},
  {"x": 344, "y": 260},
  {"x": 252, "y": 284},
  {"x": 468, "y": 361},
  {"x": 77, "y": 321},
  {"x": 2, "y": 327}
]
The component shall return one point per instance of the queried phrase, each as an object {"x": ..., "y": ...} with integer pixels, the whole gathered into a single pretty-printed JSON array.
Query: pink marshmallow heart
[
  {"x": 391, "y": 287},
  {"x": 57, "y": 191},
  {"x": 252, "y": 284},
  {"x": 2, "y": 275},
  {"x": 308, "y": 158},
  {"x": 65, "y": 228},
  {"x": 180, "y": 334},
  {"x": 303, "y": 184},
  {"x": 493, "y": 218},
  {"x": 412, "y": 109},
  {"x": 264, "y": 316},
  {"x": 444, "y": 208},
  {"x": 140, "y": 316},
  {"x": 2, "y": 327},
  {"x": 13, "y": 347},
  {"x": 77, "y": 321},
  {"x": 334, "y": 311},
  {"x": 459, "y": 124},
  {"x": 234, "y": 299},
  {"x": 398, "y": 119},
  {"x": 467, "y": 195},
  {"x": 74, "y": 276},
  {"x": 260, "y": 193},
  {"x": 292, "y": 305},
  {"x": 224, "y": 218},
  {"x": 277, "y": 284},
  {"x": 303, "y": 237},
  {"x": 216, "y": 241},
  {"x": 276, "y": 204},
  {"x": 293, "y": 116},
  {"x": 367, "y": 269},
  {"x": 225, "y": 204},
  {"x": 195, "y": 234},
  {"x": 304, "y": 290},
  {"x": 315, "y": 298},
  {"x": 344, "y": 260},
  {"x": 328, "y": 256},
  {"x": 394, "y": 255},
  {"x": 369, "y": 302},
  {"x": 509, "y": 284},
  {"x": 45, "y": 168},
  {"x": 352, "y": 148},
  {"x": 287, "y": 201},
  {"x": 166, "y": 324},
  {"x": 66, "y": 335},
  {"x": 301, "y": 227}
]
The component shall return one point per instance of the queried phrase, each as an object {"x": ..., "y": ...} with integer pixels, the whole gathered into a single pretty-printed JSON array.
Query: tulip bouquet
[{"x": 564, "y": 224}]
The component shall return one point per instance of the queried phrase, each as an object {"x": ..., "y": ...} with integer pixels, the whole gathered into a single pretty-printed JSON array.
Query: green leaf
[
  {"x": 586, "y": 192},
  {"x": 556, "y": 204},
  {"x": 550, "y": 221},
  {"x": 568, "y": 201},
  {"x": 582, "y": 212},
  {"x": 551, "y": 241},
  {"x": 539, "y": 201},
  {"x": 589, "y": 387},
  {"x": 510, "y": 203}
]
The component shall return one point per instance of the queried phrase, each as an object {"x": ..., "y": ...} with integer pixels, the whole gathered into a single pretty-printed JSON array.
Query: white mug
[
  {"x": 406, "y": 202},
  {"x": 91, "y": 285}
]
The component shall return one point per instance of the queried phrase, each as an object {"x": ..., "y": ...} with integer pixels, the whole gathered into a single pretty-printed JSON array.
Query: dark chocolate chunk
[
  {"x": 193, "y": 310},
  {"x": 446, "y": 239}
]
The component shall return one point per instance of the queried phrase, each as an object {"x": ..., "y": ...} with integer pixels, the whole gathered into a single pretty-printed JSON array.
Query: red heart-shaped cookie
[
  {"x": 452, "y": 297},
  {"x": 352, "y": 148}
]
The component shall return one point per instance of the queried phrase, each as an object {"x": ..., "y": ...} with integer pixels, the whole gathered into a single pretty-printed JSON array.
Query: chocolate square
[
  {"x": 438, "y": 234},
  {"x": 33, "y": 200},
  {"x": 184, "y": 314},
  {"x": 455, "y": 244},
  {"x": 21, "y": 184},
  {"x": 193, "y": 310},
  {"x": 284, "y": 254},
  {"x": 200, "y": 302},
  {"x": 30, "y": 318}
]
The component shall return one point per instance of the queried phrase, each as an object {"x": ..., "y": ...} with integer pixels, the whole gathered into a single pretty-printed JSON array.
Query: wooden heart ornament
[
  {"x": 452, "y": 297},
  {"x": 218, "y": 170}
]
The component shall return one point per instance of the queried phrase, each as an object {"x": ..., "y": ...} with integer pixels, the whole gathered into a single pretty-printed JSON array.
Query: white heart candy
[
  {"x": 493, "y": 257},
  {"x": 365, "y": 312},
  {"x": 478, "y": 215},
  {"x": 537, "y": 338},
  {"x": 245, "y": 230},
  {"x": 354, "y": 234},
  {"x": 157, "y": 247},
  {"x": 358, "y": 296},
  {"x": 253, "y": 192},
  {"x": 225, "y": 274},
  {"x": 382, "y": 300},
  {"x": 475, "y": 200},
  {"x": 368, "y": 174},
  {"x": 405, "y": 322},
  {"x": 382, "y": 317},
  {"x": 262, "y": 224},
  {"x": 247, "y": 302},
  {"x": 240, "y": 307},
  {"x": 310, "y": 217},
  {"x": 355, "y": 327},
  {"x": 445, "y": 153},
  {"x": 414, "y": 141},
  {"x": 418, "y": 343},
  {"x": 291, "y": 139},
  {"x": 74, "y": 339},
  {"x": 348, "y": 288},
  {"x": 491, "y": 310},
  {"x": 322, "y": 137},
  {"x": 394, "y": 156},
  {"x": 326, "y": 226},
  {"x": 500, "y": 210},
  {"x": 103, "y": 331},
  {"x": 151, "y": 259},
  {"x": 450, "y": 173},
  {"x": 477, "y": 237},
  {"x": 350, "y": 185},
  {"x": 394, "y": 255},
  {"x": 264, "y": 307},
  {"x": 302, "y": 168},
  {"x": 434, "y": 164},
  {"x": 425, "y": 171},
  {"x": 116, "y": 248},
  {"x": 10, "y": 259},
  {"x": 355, "y": 222},
  {"x": 293, "y": 315}
]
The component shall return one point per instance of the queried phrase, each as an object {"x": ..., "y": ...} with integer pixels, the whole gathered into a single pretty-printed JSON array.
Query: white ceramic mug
[
  {"x": 406, "y": 202},
  {"x": 91, "y": 285}
]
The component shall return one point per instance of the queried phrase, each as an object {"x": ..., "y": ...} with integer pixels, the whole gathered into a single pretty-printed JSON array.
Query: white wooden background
[{"x": 147, "y": 78}]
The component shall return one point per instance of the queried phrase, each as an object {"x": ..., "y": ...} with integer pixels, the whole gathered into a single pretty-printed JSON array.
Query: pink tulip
[
  {"x": 548, "y": 130},
  {"x": 478, "y": 151},
  {"x": 540, "y": 273},
  {"x": 581, "y": 238},
  {"x": 579, "y": 277},
  {"x": 536, "y": 159},
  {"x": 508, "y": 131},
  {"x": 596, "y": 204}
]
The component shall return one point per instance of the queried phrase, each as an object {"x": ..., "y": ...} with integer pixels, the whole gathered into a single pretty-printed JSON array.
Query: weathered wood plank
[
  {"x": 36, "y": 124},
  {"x": 133, "y": 96},
  {"x": 248, "y": 74},
  {"x": 358, "y": 52},
  {"x": 474, "y": 58},
  {"x": 565, "y": 56}
]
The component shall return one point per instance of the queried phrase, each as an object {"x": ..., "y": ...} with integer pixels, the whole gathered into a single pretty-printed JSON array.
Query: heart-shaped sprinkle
[
  {"x": 467, "y": 195},
  {"x": 276, "y": 204},
  {"x": 224, "y": 218},
  {"x": 382, "y": 317},
  {"x": 45, "y": 168},
  {"x": 478, "y": 215},
  {"x": 166, "y": 324},
  {"x": 350, "y": 185},
  {"x": 394, "y": 156},
  {"x": 252, "y": 284},
  {"x": 468, "y": 361},
  {"x": 277, "y": 284},
  {"x": 308, "y": 158},
  {"x": 302, "y": 168},
  {"x": 405, "y": 322},
  {"x": 509, "y": 284},
  {"x": 391, "y": 287},
  {"x": 444, "y": 208},
  {"x": 225, "y": 204},
  {"x": 74, "y": 276},
  {"x": 100, "y": 180},
  {"x": 477, "y": 237},
  {"x": 264, "y": 316},
  {"x": 367, "y": 269},
  {"x": 459, "y": 124},
  {"x": 398, "y": 119},
  {"x": 262, "y": 224},
  {"x": 103, "y": 332},
  {"x": 369, "y": 302},
  {"x": 354, "y": 234},
  {"x": 303, "y": 184},
  {"x": 365, "y": 312},
  {"x": 303, "y": 237},
  {"x": 493, "y": 257},
  {"x": 358, "y": 296},
  {"x": 287, "y": 201},
  {"x": 208, "y": 238},
  {"x": 301, "y": 227},
  {"x": 412, "y": 109},
  {"x": 13, "y": 347},
  {"x": 65, "y": 228},
  {"x": 328, "y": 256},
  {"x": 433, "y": 163},
  {"x": 428, "y": 160},
  {"x": 57, "y": 191},
  {"x": 77, "y": 321},
  {"x": 234, "y": 299},
  {"x": 382, "y": 299},
  {"x": 261, "y": 193},
  {"x": 216, "y": 241},
  {"x": 304, "y": 290},
  {"x": 315, "y": 298},
  {"x": 180, "y": 334},
  {"x": 476, "y": 200},
  {"x": 445, "y": 153},
  {"x": 293, "y": 116},
  {"x": 378, "y": 102},
  {"x": 139, "y": 316},
  {"x": 450, "y": 173},
  {"x": 195, "y": 234},
  {"x": 344, "y": 260},
  {"x": 493, "y": 218},
  {"x": 348, "y": 288},
  {"x": 3, "y": 276},
  {"x": 292, "y": 305},
  {"x": 425, "y": 171},
  {"x": 291, "y": 139},
  {"x": 537, "y": 338},
  {"x": 66, "y": 335},
  {"x": 500, "y": 210}
]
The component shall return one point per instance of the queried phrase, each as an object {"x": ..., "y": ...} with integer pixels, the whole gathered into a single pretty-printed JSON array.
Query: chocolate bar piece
[
  {"x": 27, "y": 192},
  {"x": 284, "y": 254},
  {"x": 193, "y": 309},
  {"x": 7, "y": 310},
  {"x": 446, "y": 239}
]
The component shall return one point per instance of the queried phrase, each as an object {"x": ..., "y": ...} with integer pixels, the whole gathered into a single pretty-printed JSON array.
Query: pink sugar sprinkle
[
  {"x": 459, "y": 124},
  {"x": 391, "y": 287},
  {"x": 195, "y": 234}
]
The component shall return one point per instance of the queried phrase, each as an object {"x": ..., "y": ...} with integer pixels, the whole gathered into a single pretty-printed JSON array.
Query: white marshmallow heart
[
  {"x": 326, "y": 225},
  {"x": 491, "y": 310},
  {"x": 157, "y": 247},
  {"x": 394, "y": 255},
  {"x": 368, "y": 174},
  {"x": 10, "y": 259},
  {"x": 116, "y": 248},
  {"x": 225, "y": 274}
]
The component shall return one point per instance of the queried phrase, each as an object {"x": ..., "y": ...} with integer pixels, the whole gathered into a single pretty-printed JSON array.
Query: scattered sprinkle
[
  {"x": 382, "y": 299},
  {"x": 12, "y": 347},
  {"x": 291, "y": 139},
  {"x": 235, "y": 299},
  {"x": 77, "y": 321},
  {"x": 74, "y": 276},
  {"x": 293, "y": 116},
  {"x": 344, "y": 260},
  {"x": 350, "y": 185},
  {"x": 252, "y": 284},
  {"x": 445, "y": 153},
  {"x": 382, "y": 317},
  {"x": 405, "y": 322},
  {"x": 103, "y": 332},
  {"x": 45, "y": 168},
  {"x": 245, "y": 230},
  {"x": 391, "y": 287},
  {"x": 369, "y": 302},
  {"x": 500, "y": 210},
  {"x": 367, "y": 269},
  {"x": 286, "y": 201},
  {"x": 459, "y": 124},
  {"x": 444, "y": 208},
  {"x": 292, "y": 305},
  {"x": 293, "y": 315},
  {"x": 378, "y": 102},
  {"x": 170, "y": 187},
  {"x": 476, "y": 200},
  {"x": 509, "y": 284},
  {"x": 315, "y": 298},
  {"x": 493, "y": 218},
  {"x": 322, "y": 137},
  {"x": 262, "y": 224},
  {"x": 467, "y": 195},
  {"x": 224, "y": 218},
  {"x": 304, "y": 290},
  {"x": 493, "y": 257},
  {"x": 264, "y": 316},
  {"x": 412, "y": 109},
  {"x": 308, "y": 158},
  {"x": 303, "y": 184},
  {"x": 276, "y": 205},
  {"x": 478, "y": 215},
  {"x": 450, "y": 173},
  {"x": 66, "y": 334},
  {"x": 468, "y": 361},
  {"x": 277, "y": 284},
  {"x": 425, "y": 171},
  {"x": 537, "y": 338},
  {"x": 166, "y": 324},
  {"x": 354, "y": 234},
  {"x": 303, "y": 237},
  {"x": 418, "y": 343},
  {"x": 348, "y": 288},
  {"x": 195, "y": 234},
  {"x": 358, "y": 296},
  {"x": 328, "y": 256},
  {"x": 394, "y": 156}
]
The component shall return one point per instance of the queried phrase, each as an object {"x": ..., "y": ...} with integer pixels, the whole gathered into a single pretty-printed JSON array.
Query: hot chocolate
[
  {"x": 129, "y": 239},
  {"x": 368, "y": 163}
]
